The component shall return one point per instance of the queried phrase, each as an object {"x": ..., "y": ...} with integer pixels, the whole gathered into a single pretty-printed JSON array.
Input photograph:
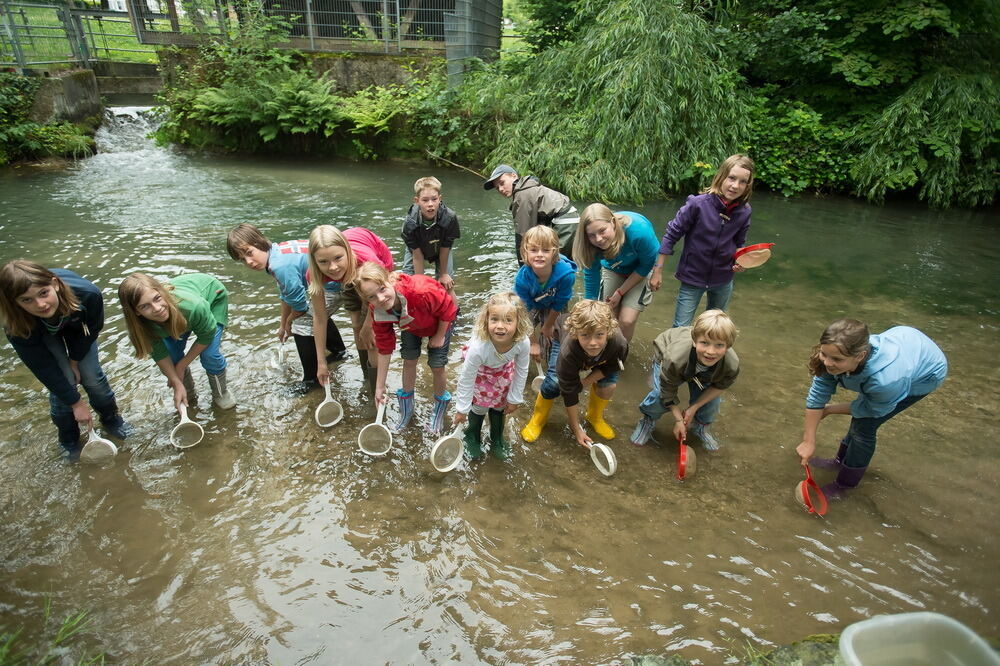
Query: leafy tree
[
  {"x": 624, "y": 112},
  {"x": 904, "y": 90},
  {"x": 553, "y": 22}
]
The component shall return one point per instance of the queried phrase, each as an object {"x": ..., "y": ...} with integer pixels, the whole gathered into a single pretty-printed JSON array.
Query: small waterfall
[{"x": 126, "y": 129}]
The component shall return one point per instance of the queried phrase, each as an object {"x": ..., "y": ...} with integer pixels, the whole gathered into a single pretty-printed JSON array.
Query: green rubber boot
[
  {"x": 498, "y": 445},
  {"x": 474, "y": 436}
]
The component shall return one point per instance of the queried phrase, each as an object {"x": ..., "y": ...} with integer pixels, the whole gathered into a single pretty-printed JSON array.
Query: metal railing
[
  {"x": 34, "y": 33},
  {"x": 387, "y": 26}
]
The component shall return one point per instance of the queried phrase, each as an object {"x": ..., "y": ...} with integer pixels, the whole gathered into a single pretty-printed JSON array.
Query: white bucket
[{"x": 914, "y": 639}]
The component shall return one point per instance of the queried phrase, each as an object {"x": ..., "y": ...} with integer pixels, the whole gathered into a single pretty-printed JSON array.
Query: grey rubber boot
[
  {"x": 188, "y": 382},
  {"x": 221, "y": 396},
  {"x": 643, "y": 429},
  {"x": 708, "y": 440}
]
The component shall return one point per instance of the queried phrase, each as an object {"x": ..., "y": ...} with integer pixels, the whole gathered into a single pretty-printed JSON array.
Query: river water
[{"x": 277, "y": 542}]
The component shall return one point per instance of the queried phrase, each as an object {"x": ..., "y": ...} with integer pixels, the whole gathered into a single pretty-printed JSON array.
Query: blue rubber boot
[
  {"x": 700, "y": 430},
  {"x": 436, "y": 424},
  {"x": 405, "y": 410},
  {"x": 643, "y": 429}
]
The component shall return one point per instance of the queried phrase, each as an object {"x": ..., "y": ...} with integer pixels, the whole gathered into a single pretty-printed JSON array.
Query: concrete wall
[
  {"x": 350, "y": 72},
  {"x": 127, "y": 78},
  {"x": 70, "y": 96},
  {"x": 354, "y": 72}
]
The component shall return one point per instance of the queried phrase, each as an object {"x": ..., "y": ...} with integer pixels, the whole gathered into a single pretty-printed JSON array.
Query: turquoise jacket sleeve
[
  {"x": 646, "y": 246},
  {"x": 592, "y": 280}
]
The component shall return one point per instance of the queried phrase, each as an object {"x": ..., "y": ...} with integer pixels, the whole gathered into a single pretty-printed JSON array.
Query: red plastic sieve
[
  {"x": 686, "y": 461},
  {"x": 753, "y": 256},
  {"x": 802, "y": 495}
]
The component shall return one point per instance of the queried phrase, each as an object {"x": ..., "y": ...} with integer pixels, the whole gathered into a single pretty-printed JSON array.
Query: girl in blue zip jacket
[
  {"x": 544, "y": 283},
  {"x": 890, "y": 371},
  {"x": 714, "y": 225},
  {"x": 617, "y": 252},
  {"x": 52, "y": 318}
]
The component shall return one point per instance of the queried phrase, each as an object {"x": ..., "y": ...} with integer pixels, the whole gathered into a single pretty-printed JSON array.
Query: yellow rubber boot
[
  {"x": 595, "y": 416},
  {"x": 533, "y": 429}
]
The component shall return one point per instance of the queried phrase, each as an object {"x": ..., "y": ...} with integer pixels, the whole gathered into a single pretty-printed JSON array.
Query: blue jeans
[
  {"x": 689, "y": 296},
  {"x": 654, "y": 409},
  {"x": 550, "y": 385},
  {"x": 861, "y": 435},
  {"x": 92, "y": 379},
  {"x": 211, "y": 358}
]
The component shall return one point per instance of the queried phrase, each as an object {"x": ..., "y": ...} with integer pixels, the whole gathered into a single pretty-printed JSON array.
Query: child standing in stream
[
  {"x": 161, "y": 317},
  {"x": 495, "y": 371},
  {"x": 422, "y": 309},
  {"x": 429, "y": 233},
  {"x": 714, "y": 225},
  {"x": 591, "y": 355},
  {"x": 334, "y": 258},
  {"x": 891, "y": 371},
  {"x": 52, "y": 319},
  {"x": 288, "y": 263}
]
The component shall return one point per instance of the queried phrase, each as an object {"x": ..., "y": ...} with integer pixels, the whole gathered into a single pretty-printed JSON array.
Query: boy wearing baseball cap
[{"x": 532, "y": 203}]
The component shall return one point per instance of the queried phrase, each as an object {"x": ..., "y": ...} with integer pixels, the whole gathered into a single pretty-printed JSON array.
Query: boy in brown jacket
[{"x": 701, "y": 356}]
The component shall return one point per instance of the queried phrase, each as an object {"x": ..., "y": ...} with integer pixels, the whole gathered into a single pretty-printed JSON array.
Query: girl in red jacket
[{"x": 421, "y": 308}]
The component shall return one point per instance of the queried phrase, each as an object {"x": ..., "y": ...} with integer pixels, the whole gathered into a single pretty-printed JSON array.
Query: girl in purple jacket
[{"x": 713, "y": 225}]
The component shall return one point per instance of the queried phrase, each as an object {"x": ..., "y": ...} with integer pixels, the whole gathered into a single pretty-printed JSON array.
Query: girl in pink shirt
[{"x": 334, "y": 257}]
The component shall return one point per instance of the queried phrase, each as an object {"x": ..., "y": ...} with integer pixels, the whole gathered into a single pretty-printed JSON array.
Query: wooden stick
[{"x": 447, "y": 161}]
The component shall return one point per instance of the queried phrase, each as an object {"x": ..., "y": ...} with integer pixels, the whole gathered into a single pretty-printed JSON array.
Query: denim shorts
[
  {"x": 609, "y": 380},
  {"x": 410, "y": 345}
]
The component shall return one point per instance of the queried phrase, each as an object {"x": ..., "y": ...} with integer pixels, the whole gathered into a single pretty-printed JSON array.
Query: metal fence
[
  {"x": 33, "y": 33},
  {"x": 386, "y": 26},
  {"x": 472, "y": 30}
]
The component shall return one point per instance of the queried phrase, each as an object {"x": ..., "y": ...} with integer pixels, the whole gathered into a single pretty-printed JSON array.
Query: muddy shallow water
[{"x": 274, "y": 541}]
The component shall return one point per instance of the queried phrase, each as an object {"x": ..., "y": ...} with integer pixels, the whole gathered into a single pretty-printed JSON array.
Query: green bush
[
  {"x": 621, "y": 114},
  {"x": 637, "y": 99},
  {"x": 794, "y": 150}
]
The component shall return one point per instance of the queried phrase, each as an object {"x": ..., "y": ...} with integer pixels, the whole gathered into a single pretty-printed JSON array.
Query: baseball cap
[{"x": 499, "y": 171}]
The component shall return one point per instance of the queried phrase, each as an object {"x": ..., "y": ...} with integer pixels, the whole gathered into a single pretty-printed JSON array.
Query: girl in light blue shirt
[{"x": 890, "y": 371}]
